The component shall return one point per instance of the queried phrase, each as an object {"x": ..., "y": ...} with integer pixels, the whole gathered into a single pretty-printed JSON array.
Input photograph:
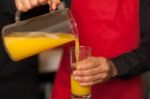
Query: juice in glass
[
  {"x": 79, "y": 53},
  {"x": 77, "y": 90}
]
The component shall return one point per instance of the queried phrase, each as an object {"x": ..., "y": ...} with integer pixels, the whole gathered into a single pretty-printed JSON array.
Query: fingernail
[
  {"x": 78, "y": 67},
  {"x": 76, "y": 78},
  {"x": 75, "y": 73}
]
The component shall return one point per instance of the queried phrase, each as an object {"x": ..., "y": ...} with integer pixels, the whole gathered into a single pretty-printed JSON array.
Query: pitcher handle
[
  {"x": 61, "y": 6},
  {"x": 17, "y": 16}
]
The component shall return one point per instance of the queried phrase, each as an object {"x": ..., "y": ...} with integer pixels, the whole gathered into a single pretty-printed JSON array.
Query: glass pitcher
[{"x": 30, "y": 37}]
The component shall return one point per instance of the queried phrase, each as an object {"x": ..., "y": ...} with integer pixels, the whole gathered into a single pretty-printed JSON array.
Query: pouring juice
[
  {"x": 23, "y": 45},
  {"x": 76, "y": 89},
  {"x": 20, "y": 45}
]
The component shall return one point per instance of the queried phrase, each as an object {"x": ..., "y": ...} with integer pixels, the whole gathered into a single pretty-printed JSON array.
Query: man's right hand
[{"x": 25, "y": 5}]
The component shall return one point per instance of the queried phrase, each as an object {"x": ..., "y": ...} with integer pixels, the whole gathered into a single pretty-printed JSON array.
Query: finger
[
  {"x": 26, "y": 4},
  {"x": 50, "y": 8},
  {"x": 49, "y": 3},
  {"x": 54, "y": 4},
  {"x": 43, "y": 2},
  {"x": 34, "y": 3},
  {"x": 92, "y": 78},
  {"x": 80, "y": 63},
  {"x": 86, "y": 64},
  {"x": 102, "y": 63},
  {"x": 87, "y": 72},
  {"x": 85, "y": 60},
  {"x": 20, "y": 6},
  {"x": 92, "y": 71},
  {"x": 86, "y": 84}
]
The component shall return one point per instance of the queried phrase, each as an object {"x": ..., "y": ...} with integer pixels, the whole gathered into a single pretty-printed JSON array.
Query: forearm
[
  {"x": 131, "y": 64},
  {"x": 137, "y": 61}
]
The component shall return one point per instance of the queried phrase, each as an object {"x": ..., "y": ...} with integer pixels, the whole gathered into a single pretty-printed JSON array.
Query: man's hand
[
  {"x": 25, "y": 5},
  {"x": 93, "y": 71}
]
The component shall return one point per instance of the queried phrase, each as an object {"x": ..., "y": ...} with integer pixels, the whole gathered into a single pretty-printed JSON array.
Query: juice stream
[{"x": 26, "y": 44}]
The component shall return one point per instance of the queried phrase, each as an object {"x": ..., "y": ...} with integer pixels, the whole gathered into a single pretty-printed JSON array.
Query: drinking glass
[{"x": 76, "y": 56}]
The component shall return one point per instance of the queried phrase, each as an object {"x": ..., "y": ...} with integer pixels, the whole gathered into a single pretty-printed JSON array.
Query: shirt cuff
[{"x": 122, "y": 65}]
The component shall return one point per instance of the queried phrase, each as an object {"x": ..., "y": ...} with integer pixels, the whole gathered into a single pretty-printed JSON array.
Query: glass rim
[{"x": 81, "y": 47}]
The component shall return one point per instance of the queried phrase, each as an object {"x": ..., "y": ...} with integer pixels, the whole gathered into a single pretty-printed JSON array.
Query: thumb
[{"x": 53, "y": 4}]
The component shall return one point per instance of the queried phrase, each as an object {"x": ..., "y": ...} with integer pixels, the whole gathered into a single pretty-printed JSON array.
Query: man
[
  {"x": 120, "y": 50},
  {"x": 111, "y": 28}
]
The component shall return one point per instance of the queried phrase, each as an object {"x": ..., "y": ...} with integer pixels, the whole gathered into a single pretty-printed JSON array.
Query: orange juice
[
  {"x": 77, "y": 90},
  {"x": 22, "y": 45},
  {"x": 25, "y": 44}
]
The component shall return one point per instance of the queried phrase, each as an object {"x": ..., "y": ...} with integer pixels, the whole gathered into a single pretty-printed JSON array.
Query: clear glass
[
  {"x": 32, "y": 36},
  {"x": 78, "y": 92}
]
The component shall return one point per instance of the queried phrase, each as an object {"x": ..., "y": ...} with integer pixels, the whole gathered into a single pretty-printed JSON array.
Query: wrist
[{"x": 114, "y": 69}]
